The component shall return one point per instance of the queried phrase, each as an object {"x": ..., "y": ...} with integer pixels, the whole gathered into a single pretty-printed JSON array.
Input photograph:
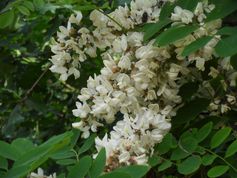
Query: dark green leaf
[
  {"x": 227, "y": 31},
  {"x": 165, "y": 165},
  {"x": 154, "y": 161},
  {"x": 188, "y": 143},
  {"x": 66, "y": 162},
  {"x": 174, "y": 33},
  {"x": 190, "y": 111},
  {"x": 217, "y": 171},
  {"x": 3, "y": 163},
  {"x": 204, "y": 131},
  {"x": 189, "y": 165},
  {"x": 208, "y": 159},
  {"x": 166, "y": 10},
  {"x": 222, "y": 9},
  {"x": 220, "y": 137},
  {"x": 81, "y": 168},
  {"x": 232, "y": 149},
  {"x": 151, "y": 29},
  {"x": 135, "y": 171},
  {"x": 167, "y": 143},
  {"x": 178, "y": 154},
  {"x": 87, "y": 145},
  {"x": 187, "y": 4},
  {"x": 196, "y": 45},
  {"x": 233, "y": 61},
  {"x": 227, "y": 46},
  {"x": 188, "y": 90}
]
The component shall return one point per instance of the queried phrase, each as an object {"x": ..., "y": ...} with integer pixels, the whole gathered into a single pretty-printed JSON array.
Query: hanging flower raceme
[{"x": 140, "y": 80}]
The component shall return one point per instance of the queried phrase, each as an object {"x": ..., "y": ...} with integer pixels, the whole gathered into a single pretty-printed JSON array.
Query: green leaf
[
  {"x": 188, "y": 90},
  {"x": 178, "y": 154},
  {"x": 217, "y": 171},
  {"x": 81, "y": 168},
  {"x": 187, "y": 4},
  {"x": 3, "y": 163},
  {"x": 154, "y": 160},
  {"x": 151, "y": 29},
  {"x": 220, "y": 137},
  {"x": 8, "y": 151},
  {"x": 135, "y": 171},
  {"x": 66, "y": 162},
  {"x": 23, "y": 10},
  {"x": 232, "y": 149},
  {"x": 189, "y": 165},
  {"x": 116, "y": 175},
  {"x": 23, "y": 145},
  {"x": 227, "y": 31},
  {"x": 29, "y": 5},
  {"x": 63, "y": 154},
  {"x": 196, "y": 45},
  {"x": 208, "y": 159},
  {"x": 165, "y": 165},
  {"x": 204, "y": 132},
  {"x": 167, "y": 143},
  {"x": 190, "y": 111},
  {"x": 88, "y": 144},
  {"x": 6, "y": 19},
  {"x": 98, "y": 164},
  {"x": 227, "y": 46},
  {"x": 166, "y": 10},
  {"x": 38, "y": 3},
  {"x": 174, "y": 33},
  {"x": 222, "y": 9},
  {"x": 188, "y": 143}
]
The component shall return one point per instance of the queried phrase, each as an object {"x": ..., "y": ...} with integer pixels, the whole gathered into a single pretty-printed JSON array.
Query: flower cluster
[
  {"x": 137, "y": 89},
  {"x": 40, "y": 174}
]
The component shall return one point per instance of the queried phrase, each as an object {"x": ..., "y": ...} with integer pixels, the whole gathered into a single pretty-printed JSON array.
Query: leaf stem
[{"x": 221, "y": 158}]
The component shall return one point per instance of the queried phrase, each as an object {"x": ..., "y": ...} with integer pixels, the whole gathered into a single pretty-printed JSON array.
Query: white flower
[{"x": 182, "y": 15}]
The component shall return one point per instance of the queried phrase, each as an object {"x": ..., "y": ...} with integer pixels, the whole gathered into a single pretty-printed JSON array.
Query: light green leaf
[
  {"x": 173, "y": 34},
  {"x": 204, "y": 131},
  {"x": 208, "y": 159},
  {"x": 23, "y": 10},
  {"x": 29, "y": 5},
  {"x": 6, "y": 18},
  {"x": 8, "y": 151},
  {"x": 151, "y": 29},
  {"x": 154, "y": 160},
  {"x": 98, "y": 164},
  {"x": 196, "y": 45},
  {"x": 165, "y": 165},
  {"x": 217, "y": 171},
  {"x": 23, "y": 145},
  {"x": 135, "y": 171},
  {"x": 232, "y": 149},
  {"x": 81, "y": 168},
  {"x": 220, "y": 137},
  {"x": 227, "y": 46},
  {"x": 189, "y": 165}
]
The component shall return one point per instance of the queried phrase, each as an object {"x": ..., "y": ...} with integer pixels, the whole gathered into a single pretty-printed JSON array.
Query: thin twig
[{"x": 34, "y": 85}]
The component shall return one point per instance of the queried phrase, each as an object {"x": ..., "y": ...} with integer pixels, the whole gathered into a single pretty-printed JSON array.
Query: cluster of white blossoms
[
  {"x": 140, "y": 81},
  {"x": 40, "y": 174}
]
